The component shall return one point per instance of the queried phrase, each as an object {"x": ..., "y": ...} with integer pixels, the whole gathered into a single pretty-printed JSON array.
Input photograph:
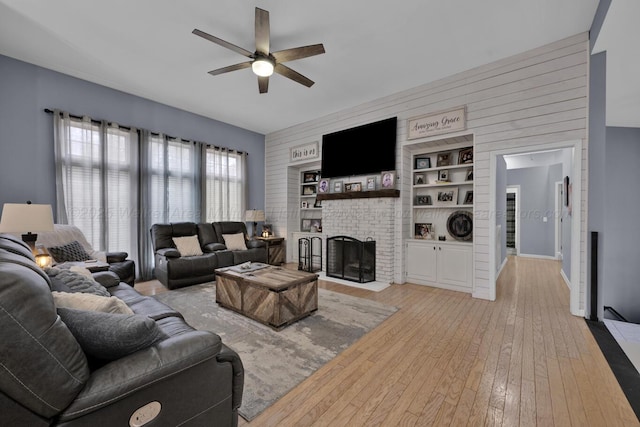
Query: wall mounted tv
[{"x": 366, "y": 149}]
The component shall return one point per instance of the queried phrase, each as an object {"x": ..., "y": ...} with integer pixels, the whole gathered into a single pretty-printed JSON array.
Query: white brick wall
[{"x": 363, "y": 219}]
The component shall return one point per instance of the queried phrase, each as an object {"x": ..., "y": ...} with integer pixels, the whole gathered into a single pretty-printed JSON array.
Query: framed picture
[
  {"x": 423, "y": 162},
  {"x": 444, "y": 159},
  {"x": 468, "y": 198},
  {"x": 371, "y": 183},
  {"x": 317, "y": 204},
  {"x": 323, "y": 186},
  {"x": 308, "y": 190},
  {"x": 337, "y": 187},
  {"x": 316, "y": 225},
  {"x": 448, "y": 197},
  {"x": 423, "y": 200},
  {"x": 267, "y": 230},
  {"x": 305, "y": 224},
  {"x": 465, "y": 156},
  {"x": 423, "y": 230},
  {"x": 304, "y": 204},
  {"x": 443, "y": 175},
  {"x": 419, "y": 179},
  {"x": 388, "y": 179},
  {"x": 353, "y": 186},
  {"x": 310, "y": 177},
  {"x": 469, "y": 175}
]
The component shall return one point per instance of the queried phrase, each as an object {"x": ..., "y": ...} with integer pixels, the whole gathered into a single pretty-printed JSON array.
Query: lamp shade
[
  {"x": 254, "y": 215},
  {"x": 26, "y": 218}
]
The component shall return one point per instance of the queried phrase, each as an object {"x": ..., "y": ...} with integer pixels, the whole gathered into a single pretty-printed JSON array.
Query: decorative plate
[{"x": 460, "y": 225}]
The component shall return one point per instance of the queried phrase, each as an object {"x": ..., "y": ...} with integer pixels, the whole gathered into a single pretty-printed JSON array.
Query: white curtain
[{"x": 225, "y": 177}]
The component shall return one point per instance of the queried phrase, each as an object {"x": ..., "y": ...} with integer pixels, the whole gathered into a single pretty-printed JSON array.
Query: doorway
[{"x": 513, "y": 225}]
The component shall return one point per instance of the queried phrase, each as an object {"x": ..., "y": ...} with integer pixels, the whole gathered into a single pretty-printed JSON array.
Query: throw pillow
[
  {"x": 70, "y": 252},
  {"x": 188, "y": 245},
  {"x": 234, "y": 242},
  {"x": 73, "y": 280},
  {"x": 82, "y": 301},
  {"x": 109, "y": 336}
]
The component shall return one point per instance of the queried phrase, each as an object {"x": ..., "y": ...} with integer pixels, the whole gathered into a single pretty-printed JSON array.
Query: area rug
[{"x": 275, "y": 362}]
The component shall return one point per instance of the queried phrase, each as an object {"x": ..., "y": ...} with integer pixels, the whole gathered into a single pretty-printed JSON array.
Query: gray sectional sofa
[{"x": 175, "y": 271}]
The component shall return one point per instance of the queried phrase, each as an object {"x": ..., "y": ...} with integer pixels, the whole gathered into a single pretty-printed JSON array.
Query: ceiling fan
[{"x": 264, "y": 62}]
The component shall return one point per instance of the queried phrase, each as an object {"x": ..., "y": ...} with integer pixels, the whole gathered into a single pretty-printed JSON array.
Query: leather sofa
[
  {"x": 175, "y": 271},
  {"x": 47, "y": 379},
  {"x": 63, "y": 234}
]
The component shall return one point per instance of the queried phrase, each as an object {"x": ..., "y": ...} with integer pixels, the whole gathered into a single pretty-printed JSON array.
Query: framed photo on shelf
[
  {"x": 308, "y": 190},
  {"x": 317, "y": 204},
  {"x": 305, "y": 224},
  {"x": 388, "y": 179},
  {"x": 310, "y": 177},
  {"x": 444, "y": 159},
  {"x": 465, "y": 156},
  {"x": 448, "y": 197},
  {"x": 371, "y": 183},
  {"x": 443, "y": 175},
  {"x": 337, "y": 186},
  {"x": 423, "y": 230},
  {"x": 353, "y": 186},
  {"x": 469, "y": 175},
  {"x": 316, "y": 225},
  {"x": 323, "y": 185},
  {"x": 304, "y": 204},
  {"x": 419, "y": 179},
  {"x": 468, "y": 198},
  {"x": 423, "y": 200},
  {"x": 423, "y": 162}
]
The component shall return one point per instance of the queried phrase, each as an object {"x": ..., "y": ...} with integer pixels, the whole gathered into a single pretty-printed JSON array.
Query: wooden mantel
[{"x": 387, "y": 192}]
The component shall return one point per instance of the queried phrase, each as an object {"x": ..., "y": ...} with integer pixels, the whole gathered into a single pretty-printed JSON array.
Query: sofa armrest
[
  {"x": 116, "y": 256},
  {"x": 107, "y": 279},
  {"x": 131, "y": 374},
  {"x": 168, "y": 252},
  {"x": 255, "y": 243}
]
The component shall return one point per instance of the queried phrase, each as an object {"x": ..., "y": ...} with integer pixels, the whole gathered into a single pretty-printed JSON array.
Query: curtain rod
[{"x": 50, "y": 111}]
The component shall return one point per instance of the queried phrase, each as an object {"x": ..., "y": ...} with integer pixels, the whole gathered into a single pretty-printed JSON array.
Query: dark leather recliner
[
  {"x": 46, "y": 379},
  {"x": 175, "y": 271}
]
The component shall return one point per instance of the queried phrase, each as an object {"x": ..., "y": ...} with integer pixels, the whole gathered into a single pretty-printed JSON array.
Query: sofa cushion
[
  {"x": 234, "y": 242},
  {"x": 188, "y": 245},
  {"x": 82, "y": 301},
  {"x": 72, "y": 251},
  {"x": 109, "y": 336},
  {"x": 72, "y": 280}
]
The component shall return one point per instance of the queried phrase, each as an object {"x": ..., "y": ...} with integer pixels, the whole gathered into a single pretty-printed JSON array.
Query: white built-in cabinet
[{"x": 442, "y": 177}]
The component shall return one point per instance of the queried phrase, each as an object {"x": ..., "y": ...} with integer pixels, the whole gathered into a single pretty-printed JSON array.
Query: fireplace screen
[{"x": 351, "y": 259}]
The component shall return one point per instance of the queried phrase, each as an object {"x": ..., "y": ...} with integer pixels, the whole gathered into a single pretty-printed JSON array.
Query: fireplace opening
[{"x": 351, "y": 259}]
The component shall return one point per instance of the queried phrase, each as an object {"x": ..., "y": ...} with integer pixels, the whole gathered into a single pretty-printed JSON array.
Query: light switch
[{"x": 544, "y": 219}]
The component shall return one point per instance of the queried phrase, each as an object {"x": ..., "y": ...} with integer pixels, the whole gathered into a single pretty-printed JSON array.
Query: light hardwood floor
[{"x": 447, "y": 359}]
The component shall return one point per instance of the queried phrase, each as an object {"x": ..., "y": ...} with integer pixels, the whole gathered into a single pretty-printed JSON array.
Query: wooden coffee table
[{"x": 274, "y": 296}]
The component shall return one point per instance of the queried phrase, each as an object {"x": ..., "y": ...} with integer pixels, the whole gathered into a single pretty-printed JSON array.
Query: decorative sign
[
  {"x": 435, "y": 124},
  {"x": 304, "y": 152}
]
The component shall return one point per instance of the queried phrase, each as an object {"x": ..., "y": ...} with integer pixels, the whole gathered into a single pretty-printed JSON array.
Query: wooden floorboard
[{"x": 448, "y": 359}]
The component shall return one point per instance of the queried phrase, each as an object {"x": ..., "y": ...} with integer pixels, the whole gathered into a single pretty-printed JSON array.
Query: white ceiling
[{"x": 373, "y": 48}]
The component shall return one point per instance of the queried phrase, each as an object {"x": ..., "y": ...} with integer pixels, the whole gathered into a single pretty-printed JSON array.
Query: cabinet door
[
  {"x": 454, "y": 266},
  {"x": 421, "y": 262}
]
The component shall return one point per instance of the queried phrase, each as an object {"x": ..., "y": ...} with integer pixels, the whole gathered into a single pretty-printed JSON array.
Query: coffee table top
[{"x": 271, "y": 277}]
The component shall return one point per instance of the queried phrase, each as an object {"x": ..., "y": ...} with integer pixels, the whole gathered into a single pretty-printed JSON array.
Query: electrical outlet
[{"x": 144, "y": 414}]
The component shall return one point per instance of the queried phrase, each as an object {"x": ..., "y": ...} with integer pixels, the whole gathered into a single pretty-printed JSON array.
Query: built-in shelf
[{"x": 387, "y": 192}]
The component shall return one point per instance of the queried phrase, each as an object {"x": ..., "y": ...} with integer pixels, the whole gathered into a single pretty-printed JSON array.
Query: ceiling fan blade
[
  {"x": 262, "y": 31},
  {"x": 263, "y": 84},
  {"x": 298, "y": 52},
  {"x": 235, "y": 67},
  {"x": 223, "y": 43},
  {"x": 283, "y": 70}
]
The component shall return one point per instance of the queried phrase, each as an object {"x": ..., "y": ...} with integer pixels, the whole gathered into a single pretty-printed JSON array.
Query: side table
[{"x": 275, "y": 249}]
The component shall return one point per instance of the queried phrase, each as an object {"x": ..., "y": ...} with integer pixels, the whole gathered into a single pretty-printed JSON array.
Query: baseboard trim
[
  {"x": 565, "y": 278},
  {"x": 504, "y": 262},
  {"x": 538, "y": 256}
]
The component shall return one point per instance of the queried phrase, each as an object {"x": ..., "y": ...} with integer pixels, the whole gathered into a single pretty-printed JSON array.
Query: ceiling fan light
[{"x": 262, "y": 67}]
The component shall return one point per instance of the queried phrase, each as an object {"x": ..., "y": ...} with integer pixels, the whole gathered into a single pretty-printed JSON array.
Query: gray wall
[
  {"x": 620, "y": 246},
  {"x": 537, "y": 201},
  {"x": 26, "y": 131}
]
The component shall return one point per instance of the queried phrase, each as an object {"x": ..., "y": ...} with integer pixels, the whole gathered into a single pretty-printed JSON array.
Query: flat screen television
[{"x": 361, "y": 150}]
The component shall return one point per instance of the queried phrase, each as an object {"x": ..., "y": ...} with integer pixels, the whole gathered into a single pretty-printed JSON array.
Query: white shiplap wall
[{"x": 534, "y": 98}]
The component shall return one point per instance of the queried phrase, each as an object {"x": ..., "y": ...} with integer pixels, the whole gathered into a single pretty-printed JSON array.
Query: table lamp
[
  {"x": 26, "y": 218},
  {"x": 254, "y": 216}
]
